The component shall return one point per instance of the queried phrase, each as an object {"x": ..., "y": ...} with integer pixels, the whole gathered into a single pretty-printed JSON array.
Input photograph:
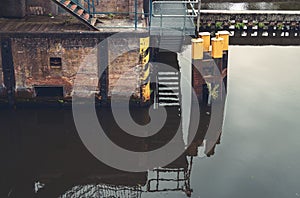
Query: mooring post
[
  {"x": 225, "y": 36},
  {"x": 8, "y": 70},
  {"x": 197, "y": 57},
  {"x": 206, "y": 42},
  {"x": 217, "y": 55},
  {"x": 206, "y": 57}
]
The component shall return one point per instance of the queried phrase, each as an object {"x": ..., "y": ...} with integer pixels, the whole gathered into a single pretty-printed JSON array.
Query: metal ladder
[{"x": 168, "y": 88}]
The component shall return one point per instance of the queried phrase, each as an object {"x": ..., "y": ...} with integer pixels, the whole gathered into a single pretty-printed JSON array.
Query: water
[
  {"x": 258, "y": 155},
  {"x": 252, "y": 6}
]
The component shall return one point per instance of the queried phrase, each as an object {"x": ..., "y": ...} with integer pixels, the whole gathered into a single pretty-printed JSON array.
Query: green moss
[
  {"x": 261, "y": 25},
  {"x": 239, "y": 26},
  {"x": 280, "y": 26},
  {"x": 219, "y": 24}
]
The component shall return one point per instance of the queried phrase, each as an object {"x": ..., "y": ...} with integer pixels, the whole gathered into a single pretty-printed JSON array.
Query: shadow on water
[{"x": 43, "y": 156}]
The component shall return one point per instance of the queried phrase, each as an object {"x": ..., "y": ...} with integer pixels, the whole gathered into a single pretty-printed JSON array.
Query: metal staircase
[{"x": 79, "y": 11}]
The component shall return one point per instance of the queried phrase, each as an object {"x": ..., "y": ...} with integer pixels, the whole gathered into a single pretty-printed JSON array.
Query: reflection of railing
[
  {"x": 181, "y": 179},
  {"x": 103, "y": 190}
]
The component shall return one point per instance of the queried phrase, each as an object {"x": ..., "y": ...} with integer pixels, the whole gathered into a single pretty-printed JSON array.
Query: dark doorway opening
[{"x": 49, "y": 91}]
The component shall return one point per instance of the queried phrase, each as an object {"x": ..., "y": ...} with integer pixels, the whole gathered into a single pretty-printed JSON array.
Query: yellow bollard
[
  {"x": 225, "y": 36},
  {"x": 197, "y": 49},
  {"x": 217, "y": 47},
  {"x": 206, "y": 40}
]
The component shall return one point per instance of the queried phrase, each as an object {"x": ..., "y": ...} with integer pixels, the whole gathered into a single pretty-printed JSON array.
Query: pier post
[
  {"x": 198, "y": 81},
  {"x": 225, "y": 36},
  {"x": 217, "y": 55},
  {"x": 206, "y": 41},
  {"x": 8, "y": 70}
]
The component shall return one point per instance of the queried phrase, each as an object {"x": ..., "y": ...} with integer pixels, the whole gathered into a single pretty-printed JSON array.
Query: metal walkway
[
  {"x": 171, "y": 21},
  {"x": 168, "y": 16}
]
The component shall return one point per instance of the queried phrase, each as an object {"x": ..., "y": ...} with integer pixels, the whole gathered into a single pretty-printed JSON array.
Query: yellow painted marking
[
  {"x": 144, "y": 44},
  {"x": 146, "y": 59},
  {"x": 146, "y": 73},
  {"x": 146, "y": 92}
]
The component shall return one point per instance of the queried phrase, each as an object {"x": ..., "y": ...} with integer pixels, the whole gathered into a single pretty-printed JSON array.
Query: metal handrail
[{"x": 193, "y": 11}]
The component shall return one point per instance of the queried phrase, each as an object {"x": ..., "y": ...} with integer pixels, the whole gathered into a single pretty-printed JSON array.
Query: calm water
[
  {"x": 258, "y": 155},
  {"x": 259, "y": 151}
]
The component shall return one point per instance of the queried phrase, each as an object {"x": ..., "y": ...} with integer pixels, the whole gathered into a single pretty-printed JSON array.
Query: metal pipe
[
  {"x": 93, "y": 4},
  {"x": 198, "y": 19},
  {"x": 135, "y": 14}
]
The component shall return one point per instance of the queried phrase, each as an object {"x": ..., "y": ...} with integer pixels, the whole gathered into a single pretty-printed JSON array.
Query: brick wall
[
  {"x": 79, "y": 59},
  {"x": 32, "y": 62},
  {"x": 41, "y": 7},
  {"x": 118, "y": 6},
  {"x": 124, "y": 66}
]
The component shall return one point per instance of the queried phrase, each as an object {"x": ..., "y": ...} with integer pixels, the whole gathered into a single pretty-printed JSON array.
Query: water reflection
[{"x": 42, "y": 156}]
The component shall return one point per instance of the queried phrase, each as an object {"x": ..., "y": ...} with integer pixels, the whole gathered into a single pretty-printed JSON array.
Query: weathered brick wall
[
  {"x": 32, "y": 62},
  {"x": 118, "y": 6},
  {"x": 79, "y": 57},
  {"x": 112, "y": 6},
  {"x": 41, "y": 7},
  {"x": 124, "y": 68}
]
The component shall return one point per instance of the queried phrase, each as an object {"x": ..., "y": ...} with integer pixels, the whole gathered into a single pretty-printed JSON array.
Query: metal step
[
  {"x": 168, "y": 88},
  {"x": 169, "y": 104},
  {"x": 167, "y": 73},
  {"x": 169, "y": 94},
  {"x": 168, "y": 83},
  {"x": 168, "y": 78},
  {"x": 168, "y": 99}
]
